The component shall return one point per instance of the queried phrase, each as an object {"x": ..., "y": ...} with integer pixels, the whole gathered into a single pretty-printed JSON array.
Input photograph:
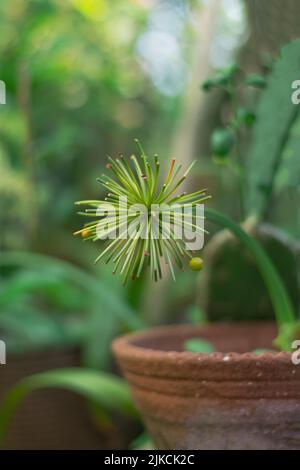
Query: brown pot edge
[{"x": 123, "y": 348}]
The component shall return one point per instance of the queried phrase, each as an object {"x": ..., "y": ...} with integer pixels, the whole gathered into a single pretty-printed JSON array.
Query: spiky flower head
[{"x": 152, "y": 241}]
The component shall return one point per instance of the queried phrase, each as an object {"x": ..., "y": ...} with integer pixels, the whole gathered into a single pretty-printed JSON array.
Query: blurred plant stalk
[{"x": 186, "y": 134}]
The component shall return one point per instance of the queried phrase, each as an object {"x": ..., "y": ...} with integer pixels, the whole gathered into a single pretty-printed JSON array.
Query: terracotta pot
[
  {"x": 55, "y": 418},
  {"x": 223, "y": 400}
]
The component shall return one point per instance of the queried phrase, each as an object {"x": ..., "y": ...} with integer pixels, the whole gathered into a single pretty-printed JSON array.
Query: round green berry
[{"x": 196, "y": 264}]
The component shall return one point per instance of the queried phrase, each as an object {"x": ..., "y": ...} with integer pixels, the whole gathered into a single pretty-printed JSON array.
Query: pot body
[{"x": 230, "y": 399}]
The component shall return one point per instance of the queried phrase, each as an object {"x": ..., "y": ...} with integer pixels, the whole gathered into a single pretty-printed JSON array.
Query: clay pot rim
[{"x": 124, "y": 347}]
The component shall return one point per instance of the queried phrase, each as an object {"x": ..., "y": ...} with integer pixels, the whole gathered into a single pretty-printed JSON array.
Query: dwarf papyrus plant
[{"x": 151, "y": 210}]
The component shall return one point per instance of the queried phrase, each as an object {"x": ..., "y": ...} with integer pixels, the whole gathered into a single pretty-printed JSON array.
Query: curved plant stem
[{"x": 281, "y": 302}]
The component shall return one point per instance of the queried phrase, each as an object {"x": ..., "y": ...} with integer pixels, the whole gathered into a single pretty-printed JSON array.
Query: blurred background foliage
[
  {"x": 79, "y": 84},
  {"x": 83, "y": 79}
]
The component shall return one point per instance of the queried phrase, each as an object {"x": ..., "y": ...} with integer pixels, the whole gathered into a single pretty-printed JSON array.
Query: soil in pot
[{"x": 230, "y": 399}]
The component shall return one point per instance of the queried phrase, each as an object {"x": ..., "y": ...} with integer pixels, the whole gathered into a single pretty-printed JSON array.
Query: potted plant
[
  {"x": 233, "y": 398},
  {"x": 218, "y": 386}
]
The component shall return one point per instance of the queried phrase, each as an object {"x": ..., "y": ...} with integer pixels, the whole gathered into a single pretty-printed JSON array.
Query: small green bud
[
  {"x": 245, "y": 117},
  {"x": 222, "y": 141},
  {"x": 223, "y": 78}
]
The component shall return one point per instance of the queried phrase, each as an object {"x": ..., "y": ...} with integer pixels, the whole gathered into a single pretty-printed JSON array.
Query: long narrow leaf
[
  {"x": 109, "y": 392},
  {"x": 105, "y": 295}
]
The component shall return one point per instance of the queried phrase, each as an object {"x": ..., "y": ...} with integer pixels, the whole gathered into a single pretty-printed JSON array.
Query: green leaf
[
  {"x": 275, "y": 114},
  {"x": 107, "y": 300},
  {"x": 59, "y": 292},
  {"x": 109, "y": 392},
  {"x": 142, "y": 442},
  {"x": 208, "y": 85},
  {"x": 24, "y": 282},
  {"x": 221, "y": 79},
  {"x": 260, "y": 351},
  {"x": 198, "y": 345},
  {"x": 288, "y": 174},
  {"x": 32, "y": 328},
  {"x": 255, "y": 80}
]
